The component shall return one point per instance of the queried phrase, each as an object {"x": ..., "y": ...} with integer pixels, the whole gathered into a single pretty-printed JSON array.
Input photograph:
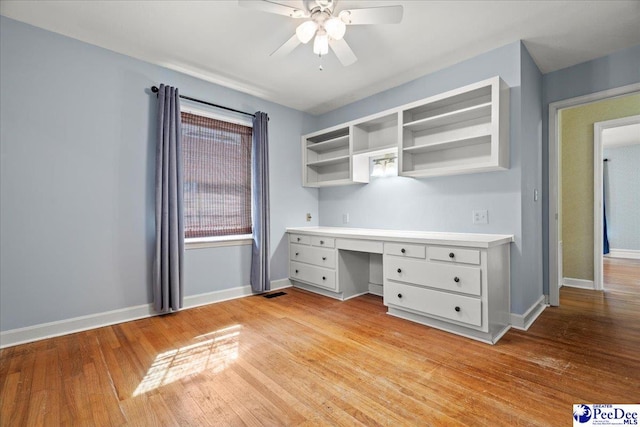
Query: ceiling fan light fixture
[
  {"x": 297, "y": 13},
  {"x": 306, "y": 30},
  {"x": 325, "y": 4},
  {"x": 335, "y": 28},
  {"x": 345, "y": 16},
  {"x": 321, "y": 44}
]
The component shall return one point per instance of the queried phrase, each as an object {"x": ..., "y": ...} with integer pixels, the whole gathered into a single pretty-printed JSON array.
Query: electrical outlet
[
  {"x": 345, "y": 218},
  {"x": 481, "y": 217}
]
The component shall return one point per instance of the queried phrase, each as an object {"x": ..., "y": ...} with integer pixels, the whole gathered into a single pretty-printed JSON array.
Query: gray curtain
[
  {"x": 167, "y": 268},
  {"x": 260, "y": 209}
]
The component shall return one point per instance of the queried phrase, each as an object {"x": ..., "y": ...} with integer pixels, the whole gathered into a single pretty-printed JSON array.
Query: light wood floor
[
  {"x": 302, "y": 359},
  {"x": 621, "y": 275}
]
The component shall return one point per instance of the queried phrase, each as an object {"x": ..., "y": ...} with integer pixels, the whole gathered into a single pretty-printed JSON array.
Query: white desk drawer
[
  {"x": 323, "y": 242},
  {"x": 466, "y": 256},
  {"x": 442, "y": 304},
  {"x": 404, "y": 249},
  {"x": 317, "y": 276},
  {"x": 299, "y": 238},
  {"x": 448, "y": 277},
  {"x": 312, "y": 255}
]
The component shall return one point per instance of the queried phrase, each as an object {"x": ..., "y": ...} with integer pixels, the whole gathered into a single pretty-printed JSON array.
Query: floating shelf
[
  {"x": 340, "y": 141},
  {"x": 465, "y": 130},
  {"x": 375, "y": 150},
  {"x": 328, "y": 162},
  {"x": 450, "y": 144},
  {"x": 466, "y": 114}
]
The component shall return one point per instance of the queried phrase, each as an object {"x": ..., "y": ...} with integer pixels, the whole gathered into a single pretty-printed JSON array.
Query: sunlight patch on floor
[{"x": 218, "y": 350}]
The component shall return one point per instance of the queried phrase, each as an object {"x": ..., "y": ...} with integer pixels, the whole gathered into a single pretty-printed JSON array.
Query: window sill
[{"x": 216, "y": 242}]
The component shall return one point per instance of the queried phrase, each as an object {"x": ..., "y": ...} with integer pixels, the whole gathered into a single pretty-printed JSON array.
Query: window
[{"x": 217, "y": 176}]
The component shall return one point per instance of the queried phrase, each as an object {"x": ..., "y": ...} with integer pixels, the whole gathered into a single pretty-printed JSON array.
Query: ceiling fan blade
[
  {"x": 273, "y": 7},
  {"x": 372, "y": 15},
  {"x": 343, "y": 52},
  {"x": 286, "y": 48}
]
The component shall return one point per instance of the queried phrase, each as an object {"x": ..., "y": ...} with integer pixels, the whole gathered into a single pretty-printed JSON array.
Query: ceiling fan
[{"x": 325, "y": 23}]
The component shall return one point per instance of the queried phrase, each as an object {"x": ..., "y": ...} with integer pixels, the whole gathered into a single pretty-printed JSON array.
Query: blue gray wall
[
  {"x": 446, "y": 203},
  {"x": 76, "y": 173},
  {"x": 618, "y": 69},
  {"x": 622, "y": 190},
  {"x": 77, "y": 176}
]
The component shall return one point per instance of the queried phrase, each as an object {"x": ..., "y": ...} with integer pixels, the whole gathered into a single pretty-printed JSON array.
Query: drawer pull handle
[
  {"x": 399, "y": 270},
  {"x": 324, "y": 258},
  {"x": 456, "y": 279},
  {"x": 399, "y": 295},
  {"x": 451, "y": 254},
  {"x": 322, "y": 242},
  {"x": 457, "y": 309},
  {"x": 298, "y": 239},
  {"x": 296, "y": 253},
  {"x": 324, "y": 278},
  {"x": 403, "y": 250},
  {"x": 296, "y": 271}
]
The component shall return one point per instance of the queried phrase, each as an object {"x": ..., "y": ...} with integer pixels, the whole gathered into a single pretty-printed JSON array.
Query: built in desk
[{"x": 457, "y": 282}]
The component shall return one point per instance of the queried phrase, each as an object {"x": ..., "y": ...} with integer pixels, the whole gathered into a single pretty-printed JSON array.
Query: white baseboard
[
  {"x": 524, "y": 321},
  {"x": 376, "y": 289},
  {"x": 577, "y": 283},
  {"x": 624, "y": 253},
  {"x": 280, "y": 284},
  {"x": 78, "y": 324}
]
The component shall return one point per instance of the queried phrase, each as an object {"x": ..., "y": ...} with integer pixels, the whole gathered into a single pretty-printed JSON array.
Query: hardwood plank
[
  {"x": 621, "y": 275},
  {"x": 302, "y": 359}
]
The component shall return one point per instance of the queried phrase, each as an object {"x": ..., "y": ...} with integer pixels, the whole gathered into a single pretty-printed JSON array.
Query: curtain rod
[{"x": 155, "y": 89}]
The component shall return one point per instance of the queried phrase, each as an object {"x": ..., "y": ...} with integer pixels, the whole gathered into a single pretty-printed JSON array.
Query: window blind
[{"x": 217, "y": 177}]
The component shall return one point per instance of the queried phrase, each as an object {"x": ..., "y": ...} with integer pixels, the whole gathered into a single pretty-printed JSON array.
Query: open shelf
[
  {"x": 375, "y": 133},
  {"x": 450, "y": 144},
  {"x": 329, "y": 172},
  {"x": 337, "y": 142},
  {"x": 327, "y": 136},
  {"x": 464, "y": 130},
  {"x": 449, "y": 161},
  {"x": 327, "y": 162},
  {"x": 330, "y": 183},
  {"x": 466, "y": 114},
  {"x": 376, "y": 150}
]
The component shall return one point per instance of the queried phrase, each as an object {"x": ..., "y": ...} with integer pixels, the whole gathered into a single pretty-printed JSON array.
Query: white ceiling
[
  {"x": 221, "y": 42},
  {"x": 621, "y": 135}
]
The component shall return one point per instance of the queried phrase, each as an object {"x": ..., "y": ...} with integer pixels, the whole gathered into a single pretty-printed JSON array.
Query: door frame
[
  {"x": 555, "y": 176},
  {"x": 598, "y": 181}
]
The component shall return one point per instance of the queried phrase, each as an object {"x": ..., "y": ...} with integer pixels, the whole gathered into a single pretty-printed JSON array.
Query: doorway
[
  {"x": 616, "y": 155},
  {"x": 555, "y": 242}
]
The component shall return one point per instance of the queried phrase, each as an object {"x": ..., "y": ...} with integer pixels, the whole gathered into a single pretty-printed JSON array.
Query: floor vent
[{"x": 275, "y": 294}]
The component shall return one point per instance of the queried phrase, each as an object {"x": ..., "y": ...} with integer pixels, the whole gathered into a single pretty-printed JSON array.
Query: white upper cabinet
[
  {"x": 462, "y": 131},
  {"x": 326, "y": 158},
  {"x": 465, "y": 130}
]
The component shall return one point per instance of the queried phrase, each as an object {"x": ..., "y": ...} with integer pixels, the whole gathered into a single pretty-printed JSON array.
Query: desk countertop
[{"x": 460, "y": 239}]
